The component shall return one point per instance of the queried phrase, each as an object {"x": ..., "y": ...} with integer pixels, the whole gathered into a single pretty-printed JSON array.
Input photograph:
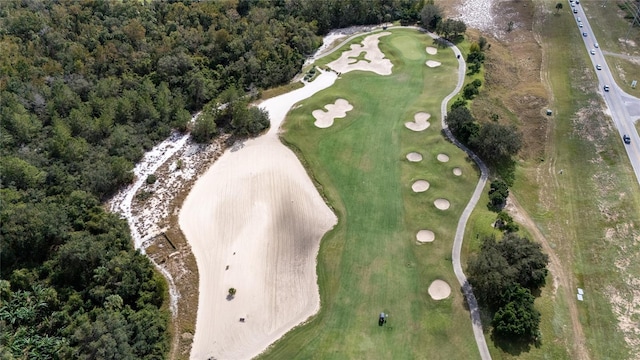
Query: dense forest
[{"x": 86, "y": 86}]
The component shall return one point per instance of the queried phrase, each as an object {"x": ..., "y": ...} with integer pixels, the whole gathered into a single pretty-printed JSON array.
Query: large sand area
[
  {"x": 254, "y": 222},
  {"x": 257, "y": 212}
]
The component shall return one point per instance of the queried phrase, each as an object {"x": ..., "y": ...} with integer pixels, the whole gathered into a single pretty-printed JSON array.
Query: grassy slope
[
  {"x": 576, "y": 209},
  {"x": 596, "y": 194},
  {"x": 370, "y": 262}
]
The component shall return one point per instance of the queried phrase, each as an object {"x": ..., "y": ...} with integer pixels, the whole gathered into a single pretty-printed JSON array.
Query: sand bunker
[
  {"x": 414, "y": 157},
  {"x": 439, "y": 290},
  {"x": 442, "y": 204},
  {"x": 257, "y": 211},
  {"x": 374, "y": 58},
  {"x": 431, "y": 50},
  {"x": 432, "y": 64},
  {"x": 420, "y": 186},
  {"x": 324, "y": 119},
  {"x": 424, "y": 236},
  {"x": 443, "y": 157},
  {"x": 420, "y": 122},
  {"x": 457, "y": 171}
]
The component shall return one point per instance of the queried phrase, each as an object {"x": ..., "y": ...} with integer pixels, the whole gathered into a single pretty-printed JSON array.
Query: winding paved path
[{"x": 462, "y": 223}]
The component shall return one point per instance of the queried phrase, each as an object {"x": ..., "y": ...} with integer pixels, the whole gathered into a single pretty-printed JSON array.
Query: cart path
[{"x": 474, "y": 311}]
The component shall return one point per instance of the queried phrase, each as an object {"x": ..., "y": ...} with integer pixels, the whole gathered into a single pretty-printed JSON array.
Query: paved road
[
  {"x": 623, "y": 108},
  {"x": 462, "y": 222}
]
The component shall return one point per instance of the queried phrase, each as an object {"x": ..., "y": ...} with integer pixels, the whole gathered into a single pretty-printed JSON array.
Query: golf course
[{"x": 397, "y": 188}]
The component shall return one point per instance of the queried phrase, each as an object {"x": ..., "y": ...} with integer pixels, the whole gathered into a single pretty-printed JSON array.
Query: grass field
[
  {"x": 370, "y": 262},
  {"x": 590, "y": 213}
]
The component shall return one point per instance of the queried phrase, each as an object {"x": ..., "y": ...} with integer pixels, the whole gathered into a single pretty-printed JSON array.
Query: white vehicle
[
  {"x": 596, "y": 45},
  {"x": 598, "y": 67},
  {"x": 606, "y": 88},
  {"x": 593, "y": 51}
]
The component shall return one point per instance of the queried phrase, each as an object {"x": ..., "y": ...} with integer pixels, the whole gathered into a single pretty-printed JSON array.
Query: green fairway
[{"x": 370, "y": 262}]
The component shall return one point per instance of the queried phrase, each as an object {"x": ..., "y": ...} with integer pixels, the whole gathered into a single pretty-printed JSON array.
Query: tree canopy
[
  {"x": 503, "y": 275},
  {"x": 86, "y": 87}
]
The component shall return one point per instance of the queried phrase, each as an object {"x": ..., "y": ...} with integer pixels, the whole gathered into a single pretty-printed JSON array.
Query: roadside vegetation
[{"x": 574, "y": 192}]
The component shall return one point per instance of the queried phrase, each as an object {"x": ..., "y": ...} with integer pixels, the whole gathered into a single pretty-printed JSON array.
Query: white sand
[
  {"x": 457, "y": 171},
  {"x": 338, "y": 110},
  {"x": 443, "y": 157},
  {"x": 431, "y": 50},
  {"x": 420, "y": 186},
  {"x": 424, "y": 236},
  {"x": 257, "y": 211},
  {"x": 439, "y": 290},
  {"x": 432, "y": 63},
  {"x": 374, "y": 58},
  {"x": 442, "y": 204},
  {"x": 420, "y": 122},
  {"x": 414, "y": 157}
]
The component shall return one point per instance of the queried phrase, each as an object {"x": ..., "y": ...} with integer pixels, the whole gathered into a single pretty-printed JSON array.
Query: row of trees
[
  {"x": 86, "y": 87},
  {"x": 505, "y": 274},
  {"x": 432, "y": 19},
  {"x": 494, "y": 143}
]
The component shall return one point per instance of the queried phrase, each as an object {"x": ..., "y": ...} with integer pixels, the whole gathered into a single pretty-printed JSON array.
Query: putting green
[{"x": 370, "y": 262}]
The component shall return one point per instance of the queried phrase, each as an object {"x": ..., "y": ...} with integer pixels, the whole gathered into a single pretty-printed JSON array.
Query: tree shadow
[{"x": 513, "y": 346}]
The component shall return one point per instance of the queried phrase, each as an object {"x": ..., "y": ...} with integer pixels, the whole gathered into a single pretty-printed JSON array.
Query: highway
[{"x": 623, "y": 108}]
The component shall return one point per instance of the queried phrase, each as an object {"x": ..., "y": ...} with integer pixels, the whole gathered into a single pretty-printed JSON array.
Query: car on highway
[
  {"x": 593, "y": 51},
  {"x": 578, "y": 19},
  {"x": 596, "y": 45},
  {"x": 584, "y": 34},
  {"x": 626, "y": 139},
  {"x": 579, "y": 24},
  {"x": 575, "y": 11},
  {"x": 598, "y": 67},
  {"x": 606, "y": 88}
]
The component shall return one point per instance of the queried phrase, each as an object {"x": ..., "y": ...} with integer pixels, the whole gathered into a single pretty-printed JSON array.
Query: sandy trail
[{"x": 264, "y": 220}]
